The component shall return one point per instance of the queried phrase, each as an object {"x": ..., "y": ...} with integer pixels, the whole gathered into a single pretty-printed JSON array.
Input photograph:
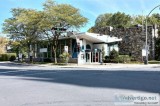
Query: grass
[
  {"x": 51, "y": 63},
  {"x": 153, "y": 62}
]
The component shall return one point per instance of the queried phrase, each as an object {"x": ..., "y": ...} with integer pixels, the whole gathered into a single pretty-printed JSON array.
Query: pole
[{"x": 146, "y": 47}]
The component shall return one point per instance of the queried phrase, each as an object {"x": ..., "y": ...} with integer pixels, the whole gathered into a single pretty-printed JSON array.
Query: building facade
[
  {"x": 83, "y": 47},
  {"x": 133, "y": 40}
]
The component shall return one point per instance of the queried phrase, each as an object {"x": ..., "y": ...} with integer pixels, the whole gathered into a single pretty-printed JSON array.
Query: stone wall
[{"x": 133, "y": 40}]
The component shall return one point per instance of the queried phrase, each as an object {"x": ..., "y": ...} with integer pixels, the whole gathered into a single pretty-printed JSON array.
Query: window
[{"x": 88, "y": 46}]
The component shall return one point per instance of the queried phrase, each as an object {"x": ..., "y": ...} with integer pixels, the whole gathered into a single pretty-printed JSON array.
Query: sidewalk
[
  {"x": 93, "y": 65},
  {"x": 107, "y": 65}
]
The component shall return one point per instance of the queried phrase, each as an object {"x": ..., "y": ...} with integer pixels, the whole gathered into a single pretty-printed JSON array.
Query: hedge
[
  {"x": 8, "y": 57},
  {"x": 124, "y": 59},
  {"x": 119, "y": 59}
]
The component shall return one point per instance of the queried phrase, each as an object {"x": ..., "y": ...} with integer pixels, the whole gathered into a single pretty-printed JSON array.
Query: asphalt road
[{"x": 27, "y": 85}]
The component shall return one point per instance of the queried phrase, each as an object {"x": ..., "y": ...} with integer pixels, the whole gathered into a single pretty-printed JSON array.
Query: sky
[{"x": 90, "y": 9}]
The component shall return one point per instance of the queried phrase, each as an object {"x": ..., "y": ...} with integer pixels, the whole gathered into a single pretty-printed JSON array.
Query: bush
[
  {"x": 107, "y": 59},
  {"x": 124, "y": 59},
  {"x": 114, "y": 56},
  {"x": 64, "y": 57},
  {"x": 12, "y": 58},
  {"x": 154, "y": 62},
  {"x": 8, "y": 57}
]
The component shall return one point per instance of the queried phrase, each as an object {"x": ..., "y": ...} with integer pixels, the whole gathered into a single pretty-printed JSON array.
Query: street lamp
[{"x": 146, "y": 47}]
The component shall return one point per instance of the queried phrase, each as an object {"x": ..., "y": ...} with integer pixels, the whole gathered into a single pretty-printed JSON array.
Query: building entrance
[{"x": 93, "y": 57}]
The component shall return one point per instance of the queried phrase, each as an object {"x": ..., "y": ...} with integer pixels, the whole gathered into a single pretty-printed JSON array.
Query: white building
[
  {"x": 83, "y": 47},
  {"x": 91, "y": 44}
]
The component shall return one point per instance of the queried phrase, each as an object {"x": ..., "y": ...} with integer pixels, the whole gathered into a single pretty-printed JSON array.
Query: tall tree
[
  {"x": 60, "y": 16},
  {"x": 120, "y": 20},
  {"x": 29, "y": 24},
  {"x": 116, "y": 20},
  {"x": 154, "y": 19},
  {"x": 23, "y": 26},
  {"x": 103, "y": 20},
  {"x": 139, "y": 19}
]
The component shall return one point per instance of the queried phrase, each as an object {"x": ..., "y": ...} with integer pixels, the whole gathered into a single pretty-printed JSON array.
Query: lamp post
[{"x": 146, "y": 47}]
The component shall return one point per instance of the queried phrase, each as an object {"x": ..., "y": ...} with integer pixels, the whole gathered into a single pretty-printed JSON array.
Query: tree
[
  {"x": 3, "y": 42},
  {"x": 116, "y": 20},
  {"x": 60, "y": 16},
  {"x": 29, "y": 25},
  {"x": 139, "y": 19},
  {"x": 154, "y": 19},
  {"x": 103, "y": 20},
  {"x": 23, "y": 26},
  {"x": 120, "y": 20}
]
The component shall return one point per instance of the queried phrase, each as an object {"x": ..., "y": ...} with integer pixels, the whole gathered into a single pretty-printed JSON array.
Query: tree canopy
[
  {"x": 123, "y": 20},
  {"x": 29, "y": 25}
]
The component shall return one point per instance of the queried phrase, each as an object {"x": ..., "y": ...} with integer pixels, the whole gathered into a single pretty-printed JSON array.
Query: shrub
[
  {"x": 8, "y": 57},
  {"x": 12, "y": 58},
  {"x": 107, "y": 59},
  {"x": 3, "y": 57},
  {"x": 64, "y": 57},
  {"x": 124, "y": 59},
  {"x": 114, "y": 56}
]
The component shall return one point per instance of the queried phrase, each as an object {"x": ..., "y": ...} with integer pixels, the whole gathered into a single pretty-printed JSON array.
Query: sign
[
  {"x": 43, "y": 50},
  {"x": 143, "y": 52},
  {"x": 66, "y": 49}
]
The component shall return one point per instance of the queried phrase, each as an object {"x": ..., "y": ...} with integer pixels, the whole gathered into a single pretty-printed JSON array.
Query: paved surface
[{"x": 42, "y": 85}]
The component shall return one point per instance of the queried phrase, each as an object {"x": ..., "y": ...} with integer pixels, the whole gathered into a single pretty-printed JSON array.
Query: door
[{"x": 88, "y": 57}]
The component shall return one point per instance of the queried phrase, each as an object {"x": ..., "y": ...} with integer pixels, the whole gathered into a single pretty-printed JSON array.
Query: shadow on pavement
[
  {"x": 148, "y": 81},
  {"x": 14, "y": 64}
]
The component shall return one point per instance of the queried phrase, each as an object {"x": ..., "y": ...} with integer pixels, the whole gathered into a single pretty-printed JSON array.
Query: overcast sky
[{"x": 88, "y": 8}]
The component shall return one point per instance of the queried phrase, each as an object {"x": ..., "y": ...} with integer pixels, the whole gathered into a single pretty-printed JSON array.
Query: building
[
  {"x": 83, "y": 47},
  {"x": 133, "y": 40}
]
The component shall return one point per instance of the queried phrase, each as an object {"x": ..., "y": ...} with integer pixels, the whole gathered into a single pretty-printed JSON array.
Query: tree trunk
[{"x": 55, "y": 56}]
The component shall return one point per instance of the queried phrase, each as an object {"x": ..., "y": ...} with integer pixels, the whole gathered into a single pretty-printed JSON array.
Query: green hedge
[
  {"x": 119, "y": 59},
  {"x": 154, "y": 62},
  {"x": 8, "y": 57},
  {"x": 124, "y": 59}
]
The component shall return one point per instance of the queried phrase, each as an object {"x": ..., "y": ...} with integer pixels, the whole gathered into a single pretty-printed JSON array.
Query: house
[{"x": 83, "y": 47}]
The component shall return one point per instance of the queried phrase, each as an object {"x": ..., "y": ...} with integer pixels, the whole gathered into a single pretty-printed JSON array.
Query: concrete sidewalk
[
  {"x": 106, "y": 65},
  {"x": 93, "y": 65}
]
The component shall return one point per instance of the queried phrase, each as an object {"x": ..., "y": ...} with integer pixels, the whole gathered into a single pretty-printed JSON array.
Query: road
[{"x": 28, "y": 85}]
